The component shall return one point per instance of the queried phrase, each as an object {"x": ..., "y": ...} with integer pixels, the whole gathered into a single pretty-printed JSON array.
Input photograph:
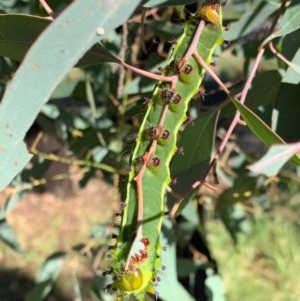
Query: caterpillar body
[{"x": 136, "y": 262}]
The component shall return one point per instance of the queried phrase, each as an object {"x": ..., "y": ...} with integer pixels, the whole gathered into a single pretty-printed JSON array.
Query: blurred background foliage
[{"x": 239, "y": 241}]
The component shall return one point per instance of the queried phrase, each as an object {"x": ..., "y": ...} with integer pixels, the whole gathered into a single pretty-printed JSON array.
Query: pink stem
[
  {"x": 282, "y": 57},
  {"x": 193, "y": 47},
  {"x": 47, "y": 8},
  {"x": 154, "y": 76}
]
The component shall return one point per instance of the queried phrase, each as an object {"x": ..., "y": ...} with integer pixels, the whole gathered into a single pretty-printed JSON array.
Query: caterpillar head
[{"x": 210, "y": 11}]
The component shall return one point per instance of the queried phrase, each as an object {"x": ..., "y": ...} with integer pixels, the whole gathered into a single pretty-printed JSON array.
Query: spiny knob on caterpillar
[{"x": 157, "y": 132}]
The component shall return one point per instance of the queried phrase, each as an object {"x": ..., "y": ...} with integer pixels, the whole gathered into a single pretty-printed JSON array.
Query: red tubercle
[
  {"x": 176, "y": 98},
  {"x": 135, "y": 259},
  {"x": 169, "y": 96},
  {"x": 160, "y": 68},
  {"x": 155, "y": 161},
  {"x": 165, "y": 134},
  {"x": 186, "y": 69},
  {"x": 166, "y": 95},
  {"x": 145, "y": 241},
  {"x": 138, "y": 258},
  {"x": 139, "y": 160},
  {"x": 181, "y": 66},
  {"x": 143, "y": 255},
  {"x": 157, "y": 132},
  {"x": 152, "y": 131}
]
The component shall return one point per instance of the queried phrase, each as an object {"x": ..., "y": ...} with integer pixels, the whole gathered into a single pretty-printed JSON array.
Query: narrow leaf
[
  {"x": 46, "y": 277},
  {"x": 260, "y": 129},
  {"x": 8, "y": 236},
  {"x": 255, "y": 15},
  {"x": 288, "y": 23},
  {"x": 292, "y": 75},
  {"x": 271, "y": 163},
  {"x": 18, "y": 32},
  {"x": 11, "y": 202},
  {"x": 169, "y": 275}
]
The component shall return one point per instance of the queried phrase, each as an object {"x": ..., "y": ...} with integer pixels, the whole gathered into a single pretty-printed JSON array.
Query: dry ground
[{"x": 56, "y": 220}]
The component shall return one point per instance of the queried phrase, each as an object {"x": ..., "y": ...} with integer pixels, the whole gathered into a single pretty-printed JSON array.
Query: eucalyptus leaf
[
  {"x": 79, "y": 27},
  {"x": 271, "y": 163}
]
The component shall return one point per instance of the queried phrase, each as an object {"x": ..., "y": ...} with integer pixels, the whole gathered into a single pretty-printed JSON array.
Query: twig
[{"x": 47, "y": 8}]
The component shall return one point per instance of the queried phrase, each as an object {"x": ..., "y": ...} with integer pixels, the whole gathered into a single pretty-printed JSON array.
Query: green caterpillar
[{"x": 135, "y": 258}]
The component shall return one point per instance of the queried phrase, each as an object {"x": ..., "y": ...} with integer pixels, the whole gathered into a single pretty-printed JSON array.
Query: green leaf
[
  {"x": 292, "y": 75},
  {"x": 259, "y": 128},
  {"x": 18, "y": 33},
  {"x": 8, "y": 236},
  {"x": 290, "y": 49},
  {"x": 214, "y": 286},
  {"x": 68, "y": 38},
  {"x": 46, "y": 277},
  {"x": 169, "y": 275},
  {"x": 271, "y": 163},
  {"x": 288, "y": 23},
  {"x": 288, "y": 107},
  {"x": 11, "y": 202},
  {"x": 188, "y": 165},
  {"x": 264, "y": 89},
  {"x": 234, "y": 219},
  {"x": 254, "y": 16},
  {"x": 197, "y": 141},
  {"x": 76, "y": 288},
  {"x": 242, "y": 189}
]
